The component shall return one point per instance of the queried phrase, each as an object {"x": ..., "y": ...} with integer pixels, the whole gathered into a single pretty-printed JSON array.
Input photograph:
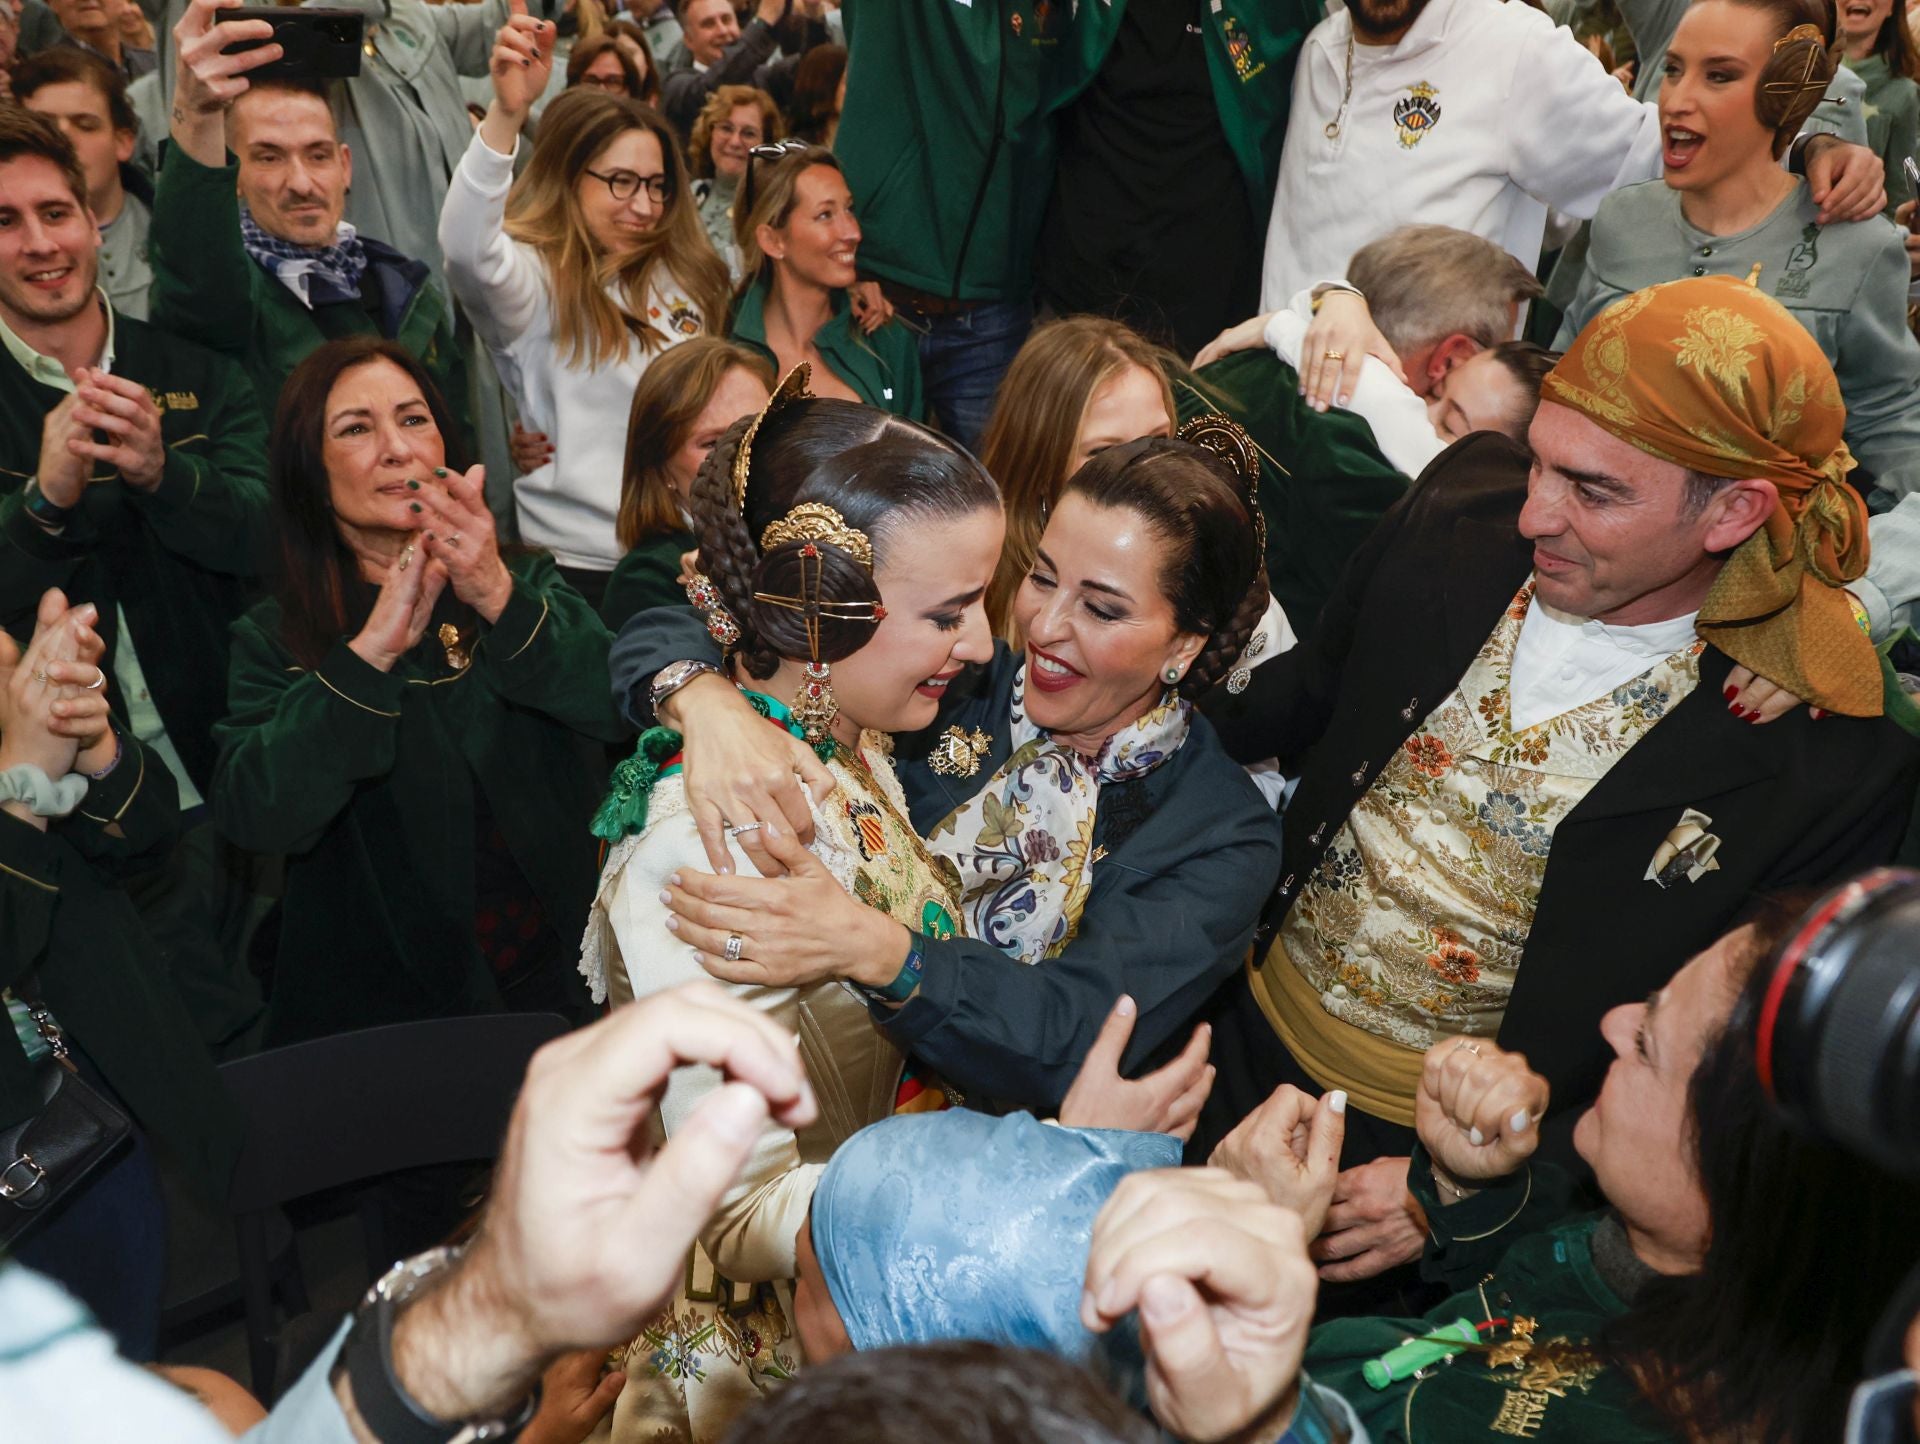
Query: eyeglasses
[
  {"x": 614, "y": 84},
  {"x": 623, "y": 184},
  {"x": 744, "y": 132},
  {"x": 773, "y": 150}
]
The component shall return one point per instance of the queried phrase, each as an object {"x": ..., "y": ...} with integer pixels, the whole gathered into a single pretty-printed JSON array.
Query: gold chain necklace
[{"x": 1333, "y": 126}]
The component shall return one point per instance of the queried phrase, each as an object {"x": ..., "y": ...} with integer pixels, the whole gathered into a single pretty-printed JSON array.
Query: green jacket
[
  {"x": 1513, "y": 1249},
  {"x": 1892, "y": 113},
  {"x": 1323, "y": 481},
  {"x": 945, "y": 138},
  {"x": 645, "y": 577},
  {"x": 208, "y": 289},
  {"x": 369, "y": 781},
  {"x": 883, "y": 368},
  {"x": 1251, "y": 49},
  {"x": 180, "y": 559},
  {"x": 71, "y": 939}
]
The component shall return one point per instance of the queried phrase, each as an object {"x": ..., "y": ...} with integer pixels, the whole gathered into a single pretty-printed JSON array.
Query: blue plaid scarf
[{"x": 316, "y": 274}]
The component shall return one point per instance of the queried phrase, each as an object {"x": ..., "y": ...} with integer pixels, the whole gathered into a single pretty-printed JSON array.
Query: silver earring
[{"x": 1172, "y": 675}]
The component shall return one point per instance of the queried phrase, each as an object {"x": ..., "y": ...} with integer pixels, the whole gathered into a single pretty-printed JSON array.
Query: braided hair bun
[
  {"x": 1214, "y": 574},
  {"x": 1794, "y": 80},
  {"x": 877, "y": 471}
]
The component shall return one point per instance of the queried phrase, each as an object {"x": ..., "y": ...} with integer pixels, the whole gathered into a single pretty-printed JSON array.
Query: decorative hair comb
[
  {"x": 815, "y": 521},
  {"x": 792, "y": 388},
  {"x": 1229, "y": 440}
]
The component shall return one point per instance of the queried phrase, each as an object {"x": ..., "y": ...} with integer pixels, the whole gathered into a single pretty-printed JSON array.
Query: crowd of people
[{"x": 1153, "y": 680}]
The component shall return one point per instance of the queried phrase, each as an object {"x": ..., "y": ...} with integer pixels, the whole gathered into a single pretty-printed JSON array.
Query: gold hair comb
[
  {"x": 815, "y": 521},
  {"x": 792, "y": 387}
]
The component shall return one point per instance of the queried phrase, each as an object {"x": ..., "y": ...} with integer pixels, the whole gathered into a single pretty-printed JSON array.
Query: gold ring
[{"x": 1334, "y": 355}]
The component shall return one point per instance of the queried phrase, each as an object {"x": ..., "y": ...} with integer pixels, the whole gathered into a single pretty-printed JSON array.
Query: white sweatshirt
[
  {"x": 1480, "y": 117},
  {"x": 569, "y": 505}
]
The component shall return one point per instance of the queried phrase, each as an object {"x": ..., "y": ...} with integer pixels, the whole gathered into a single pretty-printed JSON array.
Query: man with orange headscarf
[{"x": 1525, "y": 796}]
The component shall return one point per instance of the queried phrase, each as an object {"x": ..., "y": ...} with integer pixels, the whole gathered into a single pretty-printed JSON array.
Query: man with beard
[
  {"x": 133, "y": 471},
  {"x": 1475, "y": 114}
]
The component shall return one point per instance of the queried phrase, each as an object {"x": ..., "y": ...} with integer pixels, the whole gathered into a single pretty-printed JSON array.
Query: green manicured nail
[
  {"x": 413, "y": 506},
  {"x": 413, "y": 486},
  {"x": 439, "y": 471}
]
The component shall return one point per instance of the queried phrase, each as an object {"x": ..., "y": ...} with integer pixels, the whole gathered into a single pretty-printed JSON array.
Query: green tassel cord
[{"x": 624, "y": 811}]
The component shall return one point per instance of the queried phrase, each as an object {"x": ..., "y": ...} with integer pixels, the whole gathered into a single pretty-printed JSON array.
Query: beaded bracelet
[{"x": 119, "y": 751}]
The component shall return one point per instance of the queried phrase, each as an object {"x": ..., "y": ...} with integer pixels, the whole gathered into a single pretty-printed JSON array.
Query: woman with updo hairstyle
[
  {"x": 1104, "y": 844},
  {"x": 1078, "y": 386},
  {"x": 799, "y": 243},
  {"x": 682, "y": 406},
  {"x": 1742, "y": 76},
  {"x": 846, "y": 553}
]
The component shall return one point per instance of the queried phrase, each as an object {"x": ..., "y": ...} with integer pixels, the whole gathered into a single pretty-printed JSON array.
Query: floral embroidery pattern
[
  {"x": 1719, "y": 343},
  {"x": 1414, "y": 921},
  {"x": 1024, "y": 844},
  {"x": 1428, "y": 755}
]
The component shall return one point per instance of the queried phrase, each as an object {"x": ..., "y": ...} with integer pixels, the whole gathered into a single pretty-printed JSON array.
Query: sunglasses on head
[{"x": 772, "y": 150}]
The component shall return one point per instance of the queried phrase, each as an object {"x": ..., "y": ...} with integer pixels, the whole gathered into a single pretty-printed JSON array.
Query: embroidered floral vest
[{"x": 1413, "y": 924}]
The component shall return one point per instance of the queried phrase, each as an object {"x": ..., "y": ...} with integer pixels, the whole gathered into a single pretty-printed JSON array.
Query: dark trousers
[
  {"x": 1249, "y": 1063},
  {"x": 591, "y": 585},
  {"x": 201, "y": 904},
  {"x": 962, "y": 358},
  {"x": 106, "y": 1241}
]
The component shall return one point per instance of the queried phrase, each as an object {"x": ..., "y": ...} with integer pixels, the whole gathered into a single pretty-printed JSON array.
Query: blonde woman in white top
[{"x": 576, "y": 275}]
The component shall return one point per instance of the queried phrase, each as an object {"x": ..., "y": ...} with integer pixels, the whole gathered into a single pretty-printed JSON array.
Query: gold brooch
[
  {"x": 958, "y": 754},
  {"x": 457, "y": 657}
]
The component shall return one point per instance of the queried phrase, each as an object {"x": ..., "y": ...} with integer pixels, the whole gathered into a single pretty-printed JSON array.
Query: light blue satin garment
[{"x": 960, "y": 1225}]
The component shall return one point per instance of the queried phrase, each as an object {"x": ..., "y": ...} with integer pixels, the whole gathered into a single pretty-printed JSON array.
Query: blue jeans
[{"x": 963, "y": 357}]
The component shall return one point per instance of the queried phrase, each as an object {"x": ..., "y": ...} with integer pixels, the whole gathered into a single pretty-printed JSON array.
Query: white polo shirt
[{"x": 1481, "y": 116}]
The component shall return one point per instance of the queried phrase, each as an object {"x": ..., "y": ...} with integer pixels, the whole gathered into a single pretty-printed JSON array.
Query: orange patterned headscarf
[{"x": 1718, "y": 377}]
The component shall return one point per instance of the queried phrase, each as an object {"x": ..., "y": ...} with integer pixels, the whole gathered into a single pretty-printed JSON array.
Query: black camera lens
[{"x": 1837, "y": 1036}]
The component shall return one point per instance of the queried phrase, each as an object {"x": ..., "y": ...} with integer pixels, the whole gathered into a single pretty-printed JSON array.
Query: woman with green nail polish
[{"x": 407, "y": 720}]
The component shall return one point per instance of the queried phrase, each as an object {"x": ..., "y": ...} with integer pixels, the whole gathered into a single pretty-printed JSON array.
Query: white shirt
[
  {"x": 1501, "y": 114},
  {"x": 569, "y": 505},
  {"x": 1401, "y": 427},
  {"x": 1562, "y": 662}
]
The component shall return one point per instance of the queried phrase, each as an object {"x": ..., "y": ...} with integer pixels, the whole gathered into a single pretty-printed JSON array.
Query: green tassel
[{"x": 624, "y": 812}]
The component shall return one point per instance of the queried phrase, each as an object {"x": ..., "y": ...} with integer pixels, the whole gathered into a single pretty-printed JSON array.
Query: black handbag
[{"x": 52, "y": 1153}]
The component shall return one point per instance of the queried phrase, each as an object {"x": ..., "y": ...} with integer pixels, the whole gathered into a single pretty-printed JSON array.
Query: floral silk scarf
[{"x": 1024, "y": 844}]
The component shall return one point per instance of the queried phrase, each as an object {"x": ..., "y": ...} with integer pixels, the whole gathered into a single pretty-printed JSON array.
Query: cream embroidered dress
[{"x": 727, "y": 1337}]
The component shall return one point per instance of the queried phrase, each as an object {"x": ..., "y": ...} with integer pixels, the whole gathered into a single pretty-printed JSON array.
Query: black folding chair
[{"x": 338, "y": 1111}]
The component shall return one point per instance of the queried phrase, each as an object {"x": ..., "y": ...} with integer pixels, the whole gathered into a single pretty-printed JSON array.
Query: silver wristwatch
[
  {"x": 671, "y": 678},
  {"x": 366, "y": 1358}
]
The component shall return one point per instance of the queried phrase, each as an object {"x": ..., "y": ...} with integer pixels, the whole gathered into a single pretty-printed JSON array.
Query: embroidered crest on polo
[{"x": 1416, "y": 113}]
